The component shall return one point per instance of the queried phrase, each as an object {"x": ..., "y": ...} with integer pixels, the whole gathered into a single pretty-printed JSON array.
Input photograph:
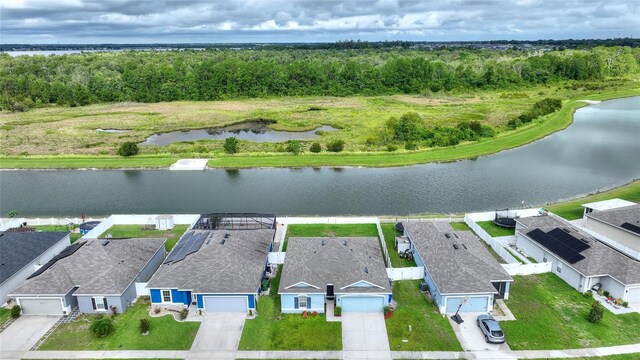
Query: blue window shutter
[
  {"x": 295, "y": 303},
  {"x": 93, "y": 303},
  {"x": 106, "y": 307},
  {"x": 308, "y": 302}
]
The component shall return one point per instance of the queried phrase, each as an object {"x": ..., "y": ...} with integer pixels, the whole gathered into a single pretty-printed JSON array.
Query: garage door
[
  {"x": 634, "y": 295},
  {"x": 362, "y": 304},
  {"x": 473, "y": 304},
  {"x": 225, "y": 304},
  {"x": 41, "y": 306}
]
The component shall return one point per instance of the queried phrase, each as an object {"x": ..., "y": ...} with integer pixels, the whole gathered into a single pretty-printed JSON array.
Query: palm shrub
[
  {"x": 102, "y": 326},
  {"x": 315, "y": 147},
  {"x": 128, "y": 148},
  {"x": 596, "y": 313},
  {"x": 144, "y": 325},
  {"x": 15, "y": 311}
]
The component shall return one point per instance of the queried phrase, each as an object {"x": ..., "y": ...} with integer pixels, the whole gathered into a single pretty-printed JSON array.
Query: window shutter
[
  {"x": 308, "y": 302},
  {"x": 295, "y": 302},
  {"x": 104, "y": 300},
  {"x": 93, "y": 303}
]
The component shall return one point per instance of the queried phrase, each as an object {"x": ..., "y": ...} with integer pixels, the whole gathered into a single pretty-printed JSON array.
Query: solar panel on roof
[
  {"x": 178, "y": 248},
  {"x": 631, "y": 227},
  {"x": 561, "y": 243}
]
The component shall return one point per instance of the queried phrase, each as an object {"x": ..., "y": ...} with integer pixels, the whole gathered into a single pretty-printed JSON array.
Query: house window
[
  {"x": 302, "y": 302},
  {"x": 559, "y": 267},
  {"x": 166, "y": 296},
  {"x": 99, "y": 303}
]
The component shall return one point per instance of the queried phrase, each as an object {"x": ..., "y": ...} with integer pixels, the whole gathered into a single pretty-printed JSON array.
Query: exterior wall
[
  {"x": 70, "y": 301},
  {"x": 86, "y": 307},
  {"x": 623, "y": 237},
  {"x": 614, "y": 288},
  {"x": 529, "y": 247},
  {"x": 287, "y": 303},
  {"x": 152, "y": 266},
  {"x": 178, "y": 297},
  {"x": 18, "y": 278},
  {"x": 251, "y": 299}
]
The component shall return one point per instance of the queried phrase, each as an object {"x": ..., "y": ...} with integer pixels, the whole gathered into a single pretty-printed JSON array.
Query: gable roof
[
  {"x": 233, "y": 267},
  {"x": 598, "y": 258},
  {"x": 94, "y": 268},
  {"x": 19, "y": 249},
  {"x": 319, "y": 261},
  {"x": 466, "y": 270},
  {"x": 627, "y": 217}
]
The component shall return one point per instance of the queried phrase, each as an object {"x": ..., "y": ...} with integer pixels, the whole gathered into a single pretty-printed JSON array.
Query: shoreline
[{"x": 510, "y": 140}]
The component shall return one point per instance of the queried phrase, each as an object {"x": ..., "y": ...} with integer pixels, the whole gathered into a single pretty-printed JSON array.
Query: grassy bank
[
  {"x": 65, "y": 138},
  {"x": 573, "y": 209}
]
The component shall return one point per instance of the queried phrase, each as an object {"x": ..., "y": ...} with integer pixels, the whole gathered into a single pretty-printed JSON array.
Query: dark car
[{"x": 490, "y": 329}]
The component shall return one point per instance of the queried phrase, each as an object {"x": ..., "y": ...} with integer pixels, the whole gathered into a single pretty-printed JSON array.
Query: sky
[{"x": 232, "y": 21}]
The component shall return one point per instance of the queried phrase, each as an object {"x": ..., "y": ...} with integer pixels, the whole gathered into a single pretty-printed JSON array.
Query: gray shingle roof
[
  {"x": 233, "y": 267},
  {"x": 94, "y": 268},
  {"x": 18, "y": 249},
  {"x": 599, "y": 258},
  {"x": 468, "y": 269},
  {"x": 309, "y": 261},
  {"x": 619, "y": 216}
]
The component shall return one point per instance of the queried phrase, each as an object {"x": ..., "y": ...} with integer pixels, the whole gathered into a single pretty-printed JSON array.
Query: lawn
[
  {"x": 73, "y": 236},
  {"x": 329, "y": 230},
  {"x": 495, "y": 230},
  {"x": 552, "y": 315},
  {"x": 165, "y": 333},
  {"x": 137, "y": 231},
  {"x": 390, "y": 233},
  {"x": 572, "y": 210},
  {"x": 271, "y": 330},
  {"x": 5, "y": 315},
  {"x": 460, "y": 226},
  {"x": 430, "y": 331}
]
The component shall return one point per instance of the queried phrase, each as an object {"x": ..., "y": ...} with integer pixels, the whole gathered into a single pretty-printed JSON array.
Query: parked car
[{"x": 490, "y": 329}]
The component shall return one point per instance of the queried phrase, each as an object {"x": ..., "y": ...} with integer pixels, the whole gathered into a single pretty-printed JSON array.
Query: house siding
[
  {"x": 86, "y": 307},
  {"x": 287, "y": 303},
  {"x": 251, "y": 299},
  {"x": 152, "y": 266},
  {"x": 178, "y": 297},
  {"x": 620, "y": 236}
]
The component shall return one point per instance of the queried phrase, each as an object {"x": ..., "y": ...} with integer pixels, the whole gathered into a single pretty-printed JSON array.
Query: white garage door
[
  {"x": 634, "y": 295},
  {"x": 41, "y": 306},
  {"x": 225, "y": 304}
]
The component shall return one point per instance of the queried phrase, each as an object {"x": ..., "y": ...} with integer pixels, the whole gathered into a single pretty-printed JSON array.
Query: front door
[{"x": 330, "y": 294}]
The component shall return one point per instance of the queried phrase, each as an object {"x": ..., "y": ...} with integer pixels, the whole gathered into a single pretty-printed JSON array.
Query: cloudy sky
[{"x": 141, "y": 21}]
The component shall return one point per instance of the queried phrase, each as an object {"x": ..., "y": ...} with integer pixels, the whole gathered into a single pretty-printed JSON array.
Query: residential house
[{"x": 619, "y": 224}]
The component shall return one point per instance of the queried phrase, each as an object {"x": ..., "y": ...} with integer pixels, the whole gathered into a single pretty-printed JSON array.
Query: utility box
[
  {"x": 164, "y": 222},
  {"x": 402, "y": 244}
]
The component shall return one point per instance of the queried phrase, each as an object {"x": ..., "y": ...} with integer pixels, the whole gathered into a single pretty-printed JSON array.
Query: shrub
[
  {"x": 625, "y": 304},
  {"x": 114, "y": 311},
  {"x": 335, "y": 145},
  {"x": 128, "y": 148},
  {"x": 231, "y": 145},
  {"x": 144, "y": 326},
  {"x": 315, "y": 313},
  {"x": 410, "y": 146},
  {"x": 337, "y": 311},
  {"x": 102, "y": 326},
  {"x": 15, "y": 311},
  {"x": 392, "y": 147},
  {"x": 386, "y": 310},
  {"x": 183, "y": 314},
  {"x": 156, "y": 310},
  {"x": 12, "y": 213},
  {"x": 596, "y": 313},
  {"x": 294, "y": 146},
  {"x": 605, "y": 293},
  {"x": 316, "y": 147},
  {"x": 250, "y": 312}
]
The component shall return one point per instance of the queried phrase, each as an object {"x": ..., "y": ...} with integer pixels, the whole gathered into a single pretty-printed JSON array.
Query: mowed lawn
[
  {"x": 5, "y": 315},
  {"x": 271, "y": 330},
  {"x": 430, "y": 331},
  {"x": 495, "y": 230},
  {"x": 165, "y": 333},
  {"x": 552, "y": 315},
  {"x": 138, "y": 231},
  {"x": 330, "y": 230},
  {"x": 573, "y": 209},
  {"x": 390, "y": 233},
  {"x": 73, "y": 236}
]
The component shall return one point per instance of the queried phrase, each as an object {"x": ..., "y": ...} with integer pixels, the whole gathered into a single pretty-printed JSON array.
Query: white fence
[
  {"x": 178, "y": 219},
  {"x": 141, "y": 289},
  {"x": 7, "y": 223},
  {"x": 410, "y": 273},
  {"x": 495, "y": 245},
  {"x": 276, "y": 257},
  {"x": 527, "y": 269}
]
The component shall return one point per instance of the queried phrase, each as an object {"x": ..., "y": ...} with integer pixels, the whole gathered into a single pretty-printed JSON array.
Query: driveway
[
  {"x": 364, "y": 336},
  {"x": 470, "y": 336},
  {"x": 218, "y": 332},
  {"x": 26, "y": 331}
]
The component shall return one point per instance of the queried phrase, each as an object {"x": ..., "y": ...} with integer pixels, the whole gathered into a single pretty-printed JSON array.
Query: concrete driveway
[
  {"x": 26, "y": 331},
  {"x": 470, "y": 336},
  {"x": 218, "y": 332},
  {"x": 364, "y": 336}
]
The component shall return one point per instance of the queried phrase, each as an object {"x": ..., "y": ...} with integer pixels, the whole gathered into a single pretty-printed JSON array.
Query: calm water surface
[{"x": 600, "y": 150}]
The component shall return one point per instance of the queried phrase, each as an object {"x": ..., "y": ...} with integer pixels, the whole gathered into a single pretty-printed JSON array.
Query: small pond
[{"x": 257, "y": 131}]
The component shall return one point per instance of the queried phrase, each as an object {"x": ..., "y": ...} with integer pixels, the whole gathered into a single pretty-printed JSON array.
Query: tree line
[{"x": 154, "y": 76}]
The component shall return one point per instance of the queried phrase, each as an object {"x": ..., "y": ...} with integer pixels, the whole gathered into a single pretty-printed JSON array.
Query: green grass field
[
  {"x": 429, "y": 330},
  {"x": 60, "y": 137},
  {"x": 329, "y": 230},
  {"x": 495, "y": 230},
  {"x": 572, "y": 209},
  {"x": 552, "y": 315},
  {"x": 272, "y": 330},
  {"x": 390, "y": 234},
  {"x": 73, "y": 236},
  {"x": 165, "y": 333},
  {"x": 137, "y": 231},
  {"x": 5, "y": 315},
  {"x": 460, "y": 226}
]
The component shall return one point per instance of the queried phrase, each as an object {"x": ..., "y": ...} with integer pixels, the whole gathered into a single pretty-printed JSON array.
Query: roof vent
[
  {"x": 464, "y": 246},
  {"x": 226, "y": 236},
  {"x": 456, "y": 235},
  {"x": 222, "y": 242},
  {"x": 455, "y": 246},
  {"x": 104, "y": 242},
  {"x": 344, "y": 242},
  {"x": 447, "y": 235},
  {"x": 366, "y": 270},
  {"x": 324, "y": 242}
]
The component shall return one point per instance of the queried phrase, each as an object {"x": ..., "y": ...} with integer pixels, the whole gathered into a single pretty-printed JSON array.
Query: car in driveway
[{"x": 491, "y": 329}]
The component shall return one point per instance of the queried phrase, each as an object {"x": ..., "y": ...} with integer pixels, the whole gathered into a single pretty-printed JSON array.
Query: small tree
[
  {"x": 15, "y": 311},
  {"x": 294, "y": 146},
  {"x": 128, "y": 148},
  {"x": 231, "y": 145},
  {"x": 102, "y": 326},
  {"x": 12, "y": 213},
  {"x": 315, "y": 147},
  {"x": 337, "y": 311},
  {"x": 335, "y": 145},
  {"x": 596, "y": 313},
  {"x": 183, "y": 314},
  {"x": 144, "y": 325}
]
